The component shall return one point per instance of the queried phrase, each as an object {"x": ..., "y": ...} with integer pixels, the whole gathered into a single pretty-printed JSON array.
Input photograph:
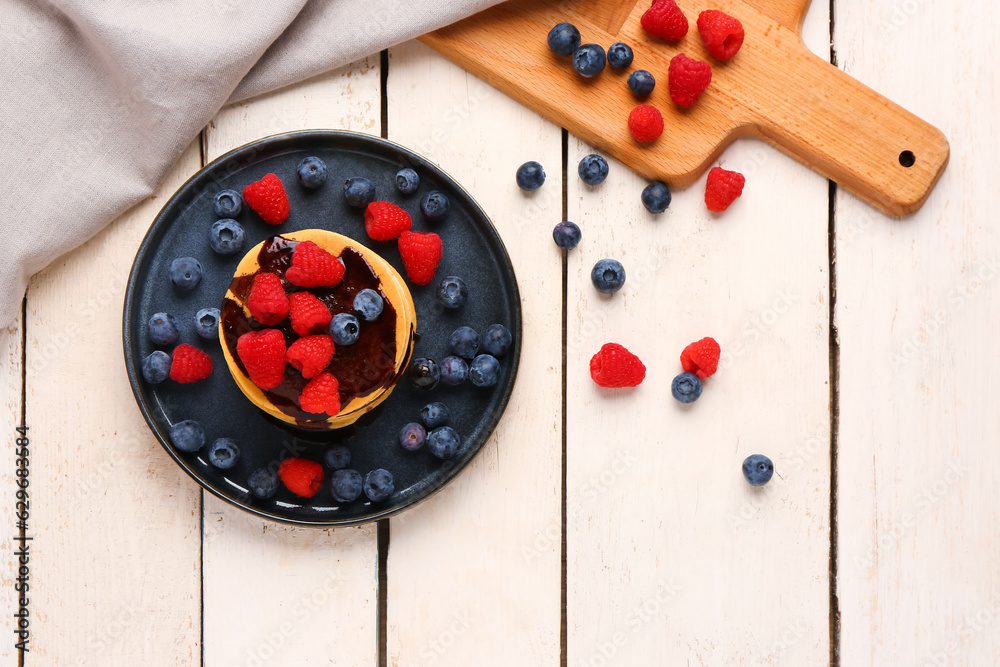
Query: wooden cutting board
[{"x": 774, "y": 88}]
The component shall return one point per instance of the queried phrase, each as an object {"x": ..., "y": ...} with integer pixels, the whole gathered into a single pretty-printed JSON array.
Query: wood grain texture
[
  {"x": 275, "y": 594},
  {"x": 774, "y": 88},
  {"x": 918, "y": 305},
  {"x": 474, "y": 572},
  {"x": 10, "y": 417},
  {"x": 672, "y": 558},
  {"x": 116, "y": 568}
]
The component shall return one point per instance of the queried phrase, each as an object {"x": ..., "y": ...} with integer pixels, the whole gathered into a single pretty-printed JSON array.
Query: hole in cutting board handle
[{"x": 907, "y": 159}]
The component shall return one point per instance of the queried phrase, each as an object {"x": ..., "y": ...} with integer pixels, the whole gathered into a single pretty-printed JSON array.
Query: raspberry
[
  {"x": 321, "y": 395},
  {"x": 302, "y": 477},
  {"x": 665, "y": 19},
  {"x": 310, "y": 354},
  {"x": 421, "y": 254},
  {"x": 314, "y": 267},
  {"x": 267, "y": 301},
  {"x": 190, "y": 364},
  {"x": 263, "y": 356},
  {"x": 722, "y": 34},
  {"x": 722, "y": 188},
  {"x": 614, "y": 366},
  {"x": 688, "y": 79},
  {"x": 385, "y": 221},
  {"x": 268, "y": 199},
  {"x": 645, "y": 123},
  {"x": 308, "y": 314},
  {"x": 701, "y": 358}
]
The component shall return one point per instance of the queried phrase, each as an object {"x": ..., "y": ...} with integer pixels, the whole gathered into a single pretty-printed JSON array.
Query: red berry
[
  {"x": 722, "y": 188},
  {"x": 688, "y": 79},
  {"x": 268, "y": 199},
  {"x": 722, "y": 34},
  {"x": 321, "y": 395},
  {"x": 385, "y": 221},
  {"x": 310, "y": 354},
  {"x": 645, "y": 123},
  {"x": 302, "y": 477},
  {"x": 701, "y": 358},
  {"x": 263, "y": 357},
  {"x": 314, "y": 267},
  {"x": 421, "y": 254},
  {"x": 189, "y": 364},
  {"x": 268, "y": 302},
  {"x": 308, "y": 314},
  {"x": 665, "y": 19},
  {"x": 614, "y": 366}
]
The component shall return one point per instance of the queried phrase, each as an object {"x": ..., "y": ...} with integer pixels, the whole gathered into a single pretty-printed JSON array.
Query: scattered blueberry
[
  {"x": 424, "y": 373},
  {"x": 564, "y": 39},
  {"x": 359, "y": 192},
  {"x": 345, "y": 329},
  {"x": 464, "y": 342},
  {"x": 435, "y": 205},
  {"x": 434, "y": 415},
  {"x": 641, "y": 82},
  {"x": 263, "y": 483},
  {"x": 593, "y": 169},
  {"x": 185, "y": 272},
  {"x": 206, "y": 323},
  {"x": 312, "y": 172},
  {"x": 589, "y": 60},
  {"x": 412, "y": 436},
  {"x": 454, "y": 370},
  {"x": 163, "y": 329},
  {"x": 187, "y": 436},
  {"x": 368, "y": 304},
  {"x": 608, "y": 276},
  {"x": 656, "y": 197},
  {"x": 223, "y": 453},
  {"x": 484, "y": 371},
  {"x": 228, "y": 204},
  {"x": 226, "y": 237},
  {"x": 620, "y": 55},
  {"x": 407, "y": 181},
  {"x": 156, "y": 367},
  {"x": 337, "y": 457},
  {"x": 686, "y": 387},
  {"x": 378, "y": 485},
  {"x": 345, "y": 485},
  {"x": 530, "y": 176},
  {"x": 443, "y": 442},
  {"x": 496, "y": 340},
  {"x": 452, "y": 292},
  {"x": 758, "y": 469},
  {"x": 567, "y": 235}
]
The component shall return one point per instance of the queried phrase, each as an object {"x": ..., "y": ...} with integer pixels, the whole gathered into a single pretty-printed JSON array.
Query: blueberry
[
  {"x": 443, "y": 442},
  {"x": 435, "y": 205},
  {"x": 263, "y": 483},
  {"x": 206, "y": 323},
  {"x": 407, "y": 181},
  {"x": 378, "y": 485},
  {"x": 593, "y": 169},
  {"x": 608, "y": 276},
  {"x": 464, "y": 342},
  {"x": 567, "y": 235},
  {"x": 163, "y": 329},
  {"x": 452, "y": 292},
  {"x": 589, "y": 60},
  {"x": 484, "y": 371},
  {"x": 337, "y": 457},
  {"x": 187, "y": 436},
  {"x": 564, "y": 39},
  {"x": 434, "y": 415},
  {"x": 345, "y": 329},
  {"x": 223, "y": 453},
  {"x": 424, "y": 373},
  {"x": 228, "y": 204},
  {"x": 641, "y": 82},
  {"x": 620, "y": 55},
  {"x": 368, "y": 304},
  {"x": 656, "y": 197},
  {"x": 226, "y": 237},
  {"x": 454, "y": 370},
  {"x": 758, "y": 469},
  {"x": 530, "y": 176},
  {"x": 359, "y": 192},
  {"x": 412, "y": 436},
  {"x": 185, "y": 272},
  {"x": 156, "y": 367},
  {"x": 345, "y": 485},
  {"x": 496, "y": 340},
  {"x": 686, "y": 387},
  {"x": 312, "y": 172}
]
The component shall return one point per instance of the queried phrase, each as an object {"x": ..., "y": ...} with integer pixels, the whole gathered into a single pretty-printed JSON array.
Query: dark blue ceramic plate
[{"x": 472, "y": 250}]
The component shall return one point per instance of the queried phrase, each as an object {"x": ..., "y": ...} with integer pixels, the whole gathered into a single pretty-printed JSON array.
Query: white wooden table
[{"x": 859, "y": 354}]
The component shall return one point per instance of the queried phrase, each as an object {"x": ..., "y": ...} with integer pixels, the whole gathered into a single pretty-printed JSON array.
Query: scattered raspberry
[
  {"x": 308, "y": 314},
  {"x": 321, "y": 395},
  {"x": 701, "y": 358},
  {"x": 302, "y": 477},
  {"x": 314, "y": 267},
  {"x": 722, "y": 34},
  {"x": 310, "y": 354},
  {"x": 267, "y": 301},
  {"x": 190, "y": 364},
  {"x": 688, "y": 79},
  {"x": 645, "y": 123},
  {"x": 614, "y": 366},
  {"x": 665, "y": 19},
  {"x": 722, "y": 188},
  {"x": 263, "y": 356},
  {"x": 268, "y": 199},
  {"x": 421, "y": 254},
  {"x": 385, "y": 221}
]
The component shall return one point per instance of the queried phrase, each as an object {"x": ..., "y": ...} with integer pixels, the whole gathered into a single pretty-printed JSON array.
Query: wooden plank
[
  {"x": 672, "y": 558},
  {"x": 314, "y": 591},
  {"x": 116, "y": 570},
  {"x": 10, "y": 416},
  {"x": 918, "y": 305},
  {"x": 474, "y": 572}
]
